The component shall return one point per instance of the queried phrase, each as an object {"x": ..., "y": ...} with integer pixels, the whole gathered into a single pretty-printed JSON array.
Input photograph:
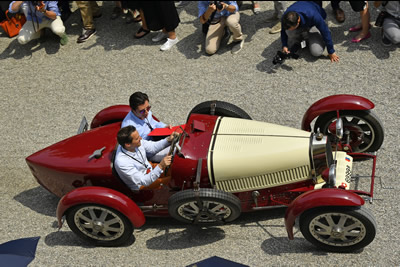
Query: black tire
[
  {"x": 335, "y": 238},
  {"x": 80, "y": 220},
  {"x": 219, "y": 206},
  {"x": 366, "y": 130},
  {"x": 221, "y": 109}
]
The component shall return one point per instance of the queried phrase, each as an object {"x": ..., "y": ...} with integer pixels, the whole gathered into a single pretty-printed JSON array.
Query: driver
[{"x": 131, "y": 161}]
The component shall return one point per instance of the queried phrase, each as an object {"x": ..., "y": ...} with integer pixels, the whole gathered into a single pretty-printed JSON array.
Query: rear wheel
[
  {"x": 338, "y": 229},
  {"x": 364, "y": 130},
  {"x": 100, "y": 225},
  {"x": 219, "y": 108},
  {"x": 210, "y": 206}
]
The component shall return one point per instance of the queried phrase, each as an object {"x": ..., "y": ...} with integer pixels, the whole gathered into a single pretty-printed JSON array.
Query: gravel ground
[{"x": 47, "y": 89}]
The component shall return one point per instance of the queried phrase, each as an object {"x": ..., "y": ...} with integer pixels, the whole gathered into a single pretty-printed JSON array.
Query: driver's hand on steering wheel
[
  {"x": 166, "y": 161},
  {"x": 172, "y": 136}
]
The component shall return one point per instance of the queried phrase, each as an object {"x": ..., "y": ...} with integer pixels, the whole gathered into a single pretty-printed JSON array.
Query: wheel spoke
[
  {"x": 83, "y": 217},
  {"x": 326, "y": 228},
  {"x": 329, "y": 219},
  {"x": 103, "y": 216},
  {"x": 111, "y": 229},
  {"x": 355, "y": 121},
  {"x": 353, "y": 226},
  {"x": 352, "y": 234},
  {"x": 112, "y": 221},
  {"x": 218, "y": 209},
  {"x": 87, "y": 225},
  {"x": 192, "y": 212},
  {"x": 195, "y": 208},
  {"x": 92, "y": 214},
  {"x": 105, "y": 233},
  {"x": 365, "y": 128},
  {"x": 342, "y": 221}
]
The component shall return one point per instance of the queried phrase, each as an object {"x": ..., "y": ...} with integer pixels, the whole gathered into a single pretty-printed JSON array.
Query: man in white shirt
[{"x": 131, "y": 161}]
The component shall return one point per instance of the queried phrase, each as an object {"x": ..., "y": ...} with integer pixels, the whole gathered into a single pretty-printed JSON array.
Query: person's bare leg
[{"x": 365, "y": 17}]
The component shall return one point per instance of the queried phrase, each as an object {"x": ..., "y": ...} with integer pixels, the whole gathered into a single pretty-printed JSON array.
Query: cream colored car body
[{"x": 247, "y": 155}]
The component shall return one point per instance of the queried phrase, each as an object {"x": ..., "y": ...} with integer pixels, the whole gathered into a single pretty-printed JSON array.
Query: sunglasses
[{"x": 144, "y": 110}]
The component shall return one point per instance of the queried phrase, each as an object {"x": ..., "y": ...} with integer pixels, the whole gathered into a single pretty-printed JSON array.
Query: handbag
[{"x": 13, "y": 25}]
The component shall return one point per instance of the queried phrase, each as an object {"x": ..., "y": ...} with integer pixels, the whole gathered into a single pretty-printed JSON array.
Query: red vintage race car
[{"x": 224, "y": 164}]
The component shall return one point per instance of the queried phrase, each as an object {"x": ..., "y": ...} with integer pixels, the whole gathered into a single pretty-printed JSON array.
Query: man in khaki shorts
[{"x": 218, "y": 17}]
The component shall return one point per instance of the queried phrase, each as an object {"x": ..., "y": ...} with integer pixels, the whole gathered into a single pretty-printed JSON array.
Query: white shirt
[{"x": 134, "y": 168}]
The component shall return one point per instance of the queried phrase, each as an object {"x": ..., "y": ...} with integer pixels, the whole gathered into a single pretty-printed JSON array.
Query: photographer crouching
[
  {"x": 303, "y": 24},
  {"x": 39, "y": 15},
  {"x": 215, "y": 16}
]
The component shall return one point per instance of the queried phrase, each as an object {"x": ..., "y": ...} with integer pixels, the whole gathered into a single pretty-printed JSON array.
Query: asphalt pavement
[{"x": 47, "y": 88}]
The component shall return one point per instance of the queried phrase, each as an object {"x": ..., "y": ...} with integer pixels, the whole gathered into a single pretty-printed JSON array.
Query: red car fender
[
  {"x": 319, "y": 198},
  {"x": 103, "y": 196},
  {"x": 333, "y": 103},
  {"x": 112, "y": 113}
]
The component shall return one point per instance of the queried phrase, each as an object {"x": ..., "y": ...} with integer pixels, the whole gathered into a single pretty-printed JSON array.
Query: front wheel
[
  {"x": 99, "y": 225},
  {"x": 362, "y": 129},
  {"x": 206, "y": 206},
  {"x": 338, "y": 229}
]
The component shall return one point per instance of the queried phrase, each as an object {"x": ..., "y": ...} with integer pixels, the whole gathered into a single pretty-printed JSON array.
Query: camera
[
  {"x": 40, "y": 4},
  {"x": 381, "y": 17},
  {"x": 280, "y": 57},
  {"x": 218, "y": 5}
]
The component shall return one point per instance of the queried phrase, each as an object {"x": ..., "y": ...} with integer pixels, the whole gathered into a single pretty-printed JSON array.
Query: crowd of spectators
[{"x": 302, "y": 24}]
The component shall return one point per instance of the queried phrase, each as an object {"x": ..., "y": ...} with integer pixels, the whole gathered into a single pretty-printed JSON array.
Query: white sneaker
[
  {"x": 161, "y": 35},
  {"x": 169, "y": 43}
]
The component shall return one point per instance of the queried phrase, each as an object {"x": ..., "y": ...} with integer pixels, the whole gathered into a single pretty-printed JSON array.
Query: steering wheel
[{"x": 172, "y": 150}]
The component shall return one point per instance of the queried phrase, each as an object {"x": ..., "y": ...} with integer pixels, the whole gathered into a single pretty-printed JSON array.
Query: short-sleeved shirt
[
  {"x": 36, "y": 16},
  {"x": 144, "y": 127},
  {"x": 203, "y": 6}
]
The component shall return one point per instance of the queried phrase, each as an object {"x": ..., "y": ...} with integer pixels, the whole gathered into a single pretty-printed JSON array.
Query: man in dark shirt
[{"x": 306, "y": 21}]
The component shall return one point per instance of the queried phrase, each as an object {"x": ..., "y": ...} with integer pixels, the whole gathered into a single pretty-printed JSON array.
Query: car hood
[{"x": 245, "y": 155}]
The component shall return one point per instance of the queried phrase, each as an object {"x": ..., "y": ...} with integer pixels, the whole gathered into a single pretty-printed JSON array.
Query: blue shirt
[
  {"x": 142, "y": 126},
  {"x": 48, "y": 5},
  {"x": 203, "y": 6},
  {"x": 311, "y": 14},
  {"x": 132, "y": 167}
]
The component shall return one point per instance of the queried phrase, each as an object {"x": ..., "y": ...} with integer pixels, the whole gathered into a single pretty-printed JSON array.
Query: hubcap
[
  {"x": 99, "y": 223},
  {"x": 211, "y": 210},
  {"x": 337, "y": 229}
]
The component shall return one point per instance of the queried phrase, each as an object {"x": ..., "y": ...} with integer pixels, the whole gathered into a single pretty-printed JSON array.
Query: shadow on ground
[{"x": 39, "y": 200}]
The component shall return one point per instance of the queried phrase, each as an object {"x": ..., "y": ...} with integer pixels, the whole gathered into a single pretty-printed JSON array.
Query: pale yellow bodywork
[
  {"x": 344, "y": 166},
  {"x": 248, "y": 155}
]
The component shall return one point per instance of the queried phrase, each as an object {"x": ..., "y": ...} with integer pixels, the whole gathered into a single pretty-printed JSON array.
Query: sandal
[{"x": 138, "y": 36}]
